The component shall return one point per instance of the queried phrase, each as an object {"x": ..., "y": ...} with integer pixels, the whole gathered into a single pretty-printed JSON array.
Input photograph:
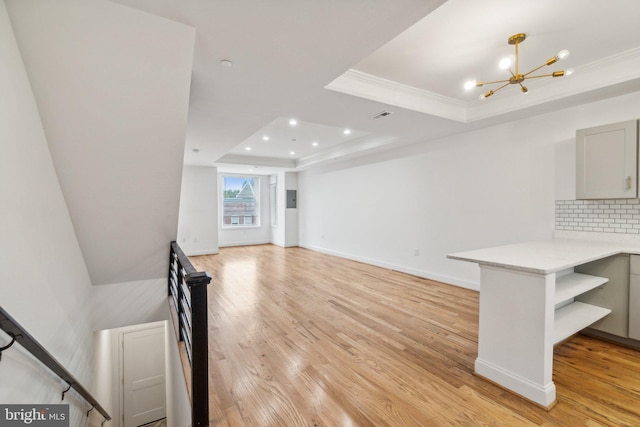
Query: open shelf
[
  {"x": 575, "y": 284},
  {"x": 574, "y": 317}
]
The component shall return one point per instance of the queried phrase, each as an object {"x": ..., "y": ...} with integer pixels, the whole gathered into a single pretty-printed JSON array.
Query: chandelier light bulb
[
  {"x": 470, "y": 84},
  {"x": 568, "y": 71},
  {"x": 563, "y": 54},
  {"x": 505, "y": 63}
]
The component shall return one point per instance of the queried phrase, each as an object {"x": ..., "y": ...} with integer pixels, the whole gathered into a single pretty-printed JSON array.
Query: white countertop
[{"x": 565, "y": 250}]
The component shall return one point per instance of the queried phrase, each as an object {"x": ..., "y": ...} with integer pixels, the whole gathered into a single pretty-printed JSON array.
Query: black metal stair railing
[
  {"x": 19, "y": 335},
  {"x": 188, "y": 294}
]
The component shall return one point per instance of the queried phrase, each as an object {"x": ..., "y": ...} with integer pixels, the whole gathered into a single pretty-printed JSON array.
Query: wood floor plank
[{"x": 299, "y": 338}]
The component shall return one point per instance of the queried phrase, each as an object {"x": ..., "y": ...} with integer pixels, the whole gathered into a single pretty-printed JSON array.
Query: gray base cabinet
[
  {"x": 634, "y": 298},
  {"x": 613, "y": 295}
]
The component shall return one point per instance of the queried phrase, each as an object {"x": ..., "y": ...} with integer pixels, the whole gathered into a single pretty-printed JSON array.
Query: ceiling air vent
[{"x": 381, "y": 114}]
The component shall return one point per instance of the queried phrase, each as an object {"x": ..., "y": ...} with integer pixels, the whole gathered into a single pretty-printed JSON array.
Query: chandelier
[{"x": 516, "y": 77}]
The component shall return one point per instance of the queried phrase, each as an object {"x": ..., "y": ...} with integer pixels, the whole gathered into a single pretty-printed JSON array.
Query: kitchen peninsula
[{"x": 528, "y": 305}]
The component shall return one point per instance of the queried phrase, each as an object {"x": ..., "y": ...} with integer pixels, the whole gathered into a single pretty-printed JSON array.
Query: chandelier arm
[
  {"x": 541, "y": 75},
  {"x": 503, "y": 86},
  {"x": 478, "y": 84},
  {"x": 535, "y": 69}
]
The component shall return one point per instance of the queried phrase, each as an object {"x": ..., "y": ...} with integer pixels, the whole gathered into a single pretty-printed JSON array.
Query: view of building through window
[{"x": 240, "y": 201}]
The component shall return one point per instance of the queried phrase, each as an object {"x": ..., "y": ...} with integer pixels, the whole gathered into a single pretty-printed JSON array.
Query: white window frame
[{"x": 256, "y": 189}]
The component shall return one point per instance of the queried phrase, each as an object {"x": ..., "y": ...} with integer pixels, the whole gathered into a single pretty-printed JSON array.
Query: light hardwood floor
[{"x": 299, "y": 338}]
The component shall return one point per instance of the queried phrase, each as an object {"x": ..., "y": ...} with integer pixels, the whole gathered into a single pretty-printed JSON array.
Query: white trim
[
  {"x": 613, "y": 70},
  {"x": 367, "y": 86},
  {"x": 202, "y": 252},
  {"x": 475, "y": 286},
  {"x": 255, "y": 160},
  {"x": 244, "y": 243},
  {"x": 544, "y": 395}
]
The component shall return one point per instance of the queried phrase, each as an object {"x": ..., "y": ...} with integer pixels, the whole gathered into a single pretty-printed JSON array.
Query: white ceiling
[
  {"x": 284, "y": 140},
  {"x": 465, "y": 39},
  {"x": 333, "y": 64},
  {"x": 112, "y": 88}
]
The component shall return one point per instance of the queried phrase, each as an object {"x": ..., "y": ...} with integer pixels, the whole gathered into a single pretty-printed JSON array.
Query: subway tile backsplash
[{"x": 604, "y": 216}]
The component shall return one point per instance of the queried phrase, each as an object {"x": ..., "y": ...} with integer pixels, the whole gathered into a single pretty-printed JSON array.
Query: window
[{"x": 240, "y": 207}]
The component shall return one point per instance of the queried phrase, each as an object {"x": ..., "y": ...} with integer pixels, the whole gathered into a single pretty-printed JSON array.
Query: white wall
[
  {"x": 131, "y": 303},
  {"x": 274, "y": 212},
  {"x": 44, "y": 282},
  {"x": 198, "y": 219},
  {"x": 178, "y": 402},
  {"x": 483, "y": 188},
  {"x": 250, "y": 235},
  {"x": 286, "y": 232},
  {"x": 114, "y": 105}
]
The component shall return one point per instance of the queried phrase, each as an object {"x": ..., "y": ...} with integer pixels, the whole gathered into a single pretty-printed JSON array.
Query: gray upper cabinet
[{"x": 607, "y": 161}]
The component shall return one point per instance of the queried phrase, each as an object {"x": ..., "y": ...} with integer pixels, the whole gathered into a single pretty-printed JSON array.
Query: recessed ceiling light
[
  {"x": 347, "y": 131},
  {"x": 196, "y": 150},
  {"x": 293, "y": 122},
  {"x": 226, "y": 63},
  {"x": 292, "y": 152},
  {"x": 265, "y": 138},
  {"x": 315, "y": 144},
  {"x": 247, "y": 148}
]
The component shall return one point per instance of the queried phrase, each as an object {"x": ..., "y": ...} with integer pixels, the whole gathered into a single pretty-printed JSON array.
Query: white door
[{"x": 144, "y": 396}]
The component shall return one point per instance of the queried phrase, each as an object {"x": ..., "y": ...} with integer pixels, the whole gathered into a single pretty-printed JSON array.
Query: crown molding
[
  {"x": 609, "y": 71},
  {"x": 357, "y": 146},
  {"x": 237, "y": 159},
  {"x": 364, "y": 85}
]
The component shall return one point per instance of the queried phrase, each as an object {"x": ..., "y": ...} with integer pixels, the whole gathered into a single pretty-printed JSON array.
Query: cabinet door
[
  {"x": 634, "y": 298},
  {"x": 634, "y": 307},
  {"x": 613, "y": 295},
  {"x": 606, "y": 161}
]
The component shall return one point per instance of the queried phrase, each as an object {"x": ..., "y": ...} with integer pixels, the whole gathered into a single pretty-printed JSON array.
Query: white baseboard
[
  {"x": 403, "y": 269},
  {"x": 202, "y": 252},
  {"x": 283, "y": 244},
  {"x": 250, "y": 243},
  {"x": 543, "y": 395}
]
